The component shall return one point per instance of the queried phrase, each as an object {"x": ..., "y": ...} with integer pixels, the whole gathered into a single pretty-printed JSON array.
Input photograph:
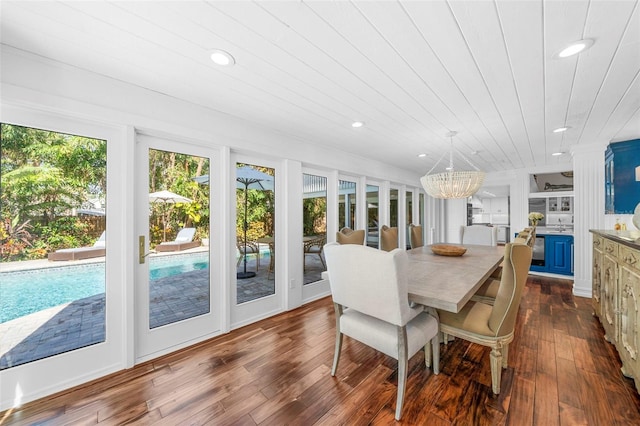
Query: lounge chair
[
  {"x": 183, "y": 241},
  {"x": 78, "y": 253}
]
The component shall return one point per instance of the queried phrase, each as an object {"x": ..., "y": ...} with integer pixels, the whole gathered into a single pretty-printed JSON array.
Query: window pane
[
  {"x": 255, "y": 232},
  {"x": 409, "y": 208},
  {"x": 393, "y": 208},
  {"x": 347, "y": 204},
  {"x": 314, "y": 220},
  {"x": 179, "y": 279},
  {"x": 373, "y": 227},
  {"x": 52, "y": 270}
]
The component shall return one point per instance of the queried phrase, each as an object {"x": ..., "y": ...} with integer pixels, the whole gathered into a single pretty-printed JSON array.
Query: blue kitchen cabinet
[
  {"x": 621, "y": 191},
  {"x": 557, "y": 257},
  {"x": 558, "y": 251}
]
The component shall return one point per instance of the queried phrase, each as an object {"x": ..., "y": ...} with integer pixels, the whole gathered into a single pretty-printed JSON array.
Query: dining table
[{"x": 449, "y": 282}]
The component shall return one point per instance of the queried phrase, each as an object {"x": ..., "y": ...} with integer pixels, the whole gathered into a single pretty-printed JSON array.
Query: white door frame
[
  {"x": 37, "y": 379},
  {"x": 255, "y": 310}
]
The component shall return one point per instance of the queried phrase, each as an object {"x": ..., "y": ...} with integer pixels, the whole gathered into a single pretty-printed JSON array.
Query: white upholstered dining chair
[
  {"x": 489, "y": 325},
  {"x": 370, "y": 296},
  {"x": 479, "y": 234}
]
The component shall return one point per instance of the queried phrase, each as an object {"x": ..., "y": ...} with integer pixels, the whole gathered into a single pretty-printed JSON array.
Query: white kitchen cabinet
[
  {"x": 500, "y": 205},
  {"x": 486, "y": 205},
  {"x": 560, "y": 205}
]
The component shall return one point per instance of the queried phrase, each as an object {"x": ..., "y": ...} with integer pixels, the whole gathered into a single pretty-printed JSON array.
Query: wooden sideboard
[{"x": 616, "y": 294}]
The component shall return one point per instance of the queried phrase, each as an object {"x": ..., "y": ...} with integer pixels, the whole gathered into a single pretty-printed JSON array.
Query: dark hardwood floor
[{"x": 277, "y": 372}]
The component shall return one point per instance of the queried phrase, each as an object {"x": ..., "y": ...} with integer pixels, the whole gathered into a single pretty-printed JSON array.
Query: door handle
[{"x": 141, "y": 248}]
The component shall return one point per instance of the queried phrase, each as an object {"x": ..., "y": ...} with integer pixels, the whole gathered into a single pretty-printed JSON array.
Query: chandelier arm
[
  {"x": 437, "y": 162},
  {"x": 467, "y": 160}
]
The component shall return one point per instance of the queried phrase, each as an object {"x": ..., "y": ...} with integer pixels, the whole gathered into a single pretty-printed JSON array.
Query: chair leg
[
  {"x": 505, "y": 356},
  {"x": 324, "y": 265},
  {"x": 496, "y": 367},
  {"x": 427, "y": 355},
  {"x": 402, "y": 369},
  {"x": 338, "y": 347},
  {"x": 336, "y": 354},
  {"x": 435, "y": 343}
]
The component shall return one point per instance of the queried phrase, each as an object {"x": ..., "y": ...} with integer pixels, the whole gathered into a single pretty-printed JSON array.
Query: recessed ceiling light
[
  {"x": 561, "y": 129},
  {"x": 555, "y": 154},
  {"x": 422, "y": 155},
  {"x": 357, "y": 124},
  {"x": 222, "y": 58},
  {"x": 575, "y": 48}
]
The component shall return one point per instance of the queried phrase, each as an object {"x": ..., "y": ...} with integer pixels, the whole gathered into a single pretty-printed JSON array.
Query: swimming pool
[{"x": 29, "y": 291}]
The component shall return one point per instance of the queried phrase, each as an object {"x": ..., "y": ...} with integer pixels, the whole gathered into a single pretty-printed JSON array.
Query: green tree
[
  {"x": 37, "y": 191},
  {"x": 46, "y": 173}
]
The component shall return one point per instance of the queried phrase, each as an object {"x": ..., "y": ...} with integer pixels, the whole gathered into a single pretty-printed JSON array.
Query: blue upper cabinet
[{"x": 621, "y": 191}]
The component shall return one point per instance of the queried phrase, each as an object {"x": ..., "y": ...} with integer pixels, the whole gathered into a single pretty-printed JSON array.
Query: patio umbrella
[
  {"x": 249, "y": 178},
  {"x": 166, "y": 197},
  {"x": 246, "y": 178}
]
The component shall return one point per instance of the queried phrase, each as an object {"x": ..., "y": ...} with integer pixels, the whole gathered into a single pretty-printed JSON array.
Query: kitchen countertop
[
  {"x": 546, "y": 230},
  {"x": 628, "y": 238}
]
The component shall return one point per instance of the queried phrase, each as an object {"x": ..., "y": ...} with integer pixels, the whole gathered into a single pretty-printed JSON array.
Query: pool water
[{"x": 25, "y": 292}]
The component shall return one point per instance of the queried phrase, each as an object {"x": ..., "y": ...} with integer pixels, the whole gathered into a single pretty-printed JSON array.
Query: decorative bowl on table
[{"x": 447, "y": 250}]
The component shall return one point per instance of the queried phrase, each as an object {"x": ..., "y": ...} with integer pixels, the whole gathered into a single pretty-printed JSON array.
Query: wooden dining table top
[{"x": 448, "y": 282}]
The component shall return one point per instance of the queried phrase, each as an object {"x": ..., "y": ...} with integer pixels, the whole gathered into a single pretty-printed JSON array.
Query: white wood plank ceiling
[{"x": 411, "y": 70}]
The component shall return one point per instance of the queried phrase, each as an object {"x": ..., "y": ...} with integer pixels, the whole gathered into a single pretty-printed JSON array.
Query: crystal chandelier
[{"x": 452, "y": 183}]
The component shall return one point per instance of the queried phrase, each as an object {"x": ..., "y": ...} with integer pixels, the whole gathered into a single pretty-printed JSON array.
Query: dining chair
[
  {"x": 488, "y": 291},
  {"x": 493, "y": 326},
  {"x": 252, "y": 248},
  {"x": 479, "y": 234},
  {"x": 415, "y": 236},
  {"x": 315, "y": 247},
  {"x": 370, "y": 296},
  {"x": 388, "y": 238},
  {"x": 349, "y": 236}
]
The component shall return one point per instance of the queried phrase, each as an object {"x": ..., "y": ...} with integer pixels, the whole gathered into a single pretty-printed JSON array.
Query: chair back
[
  {"x": 532, "y": 237},
  {"x": 185, "y": 235},
  {"x": 389, "y": 238},
  {"x": 415, "y": 236},
  {"x": 370, "y": 281},
  {"x": 479, "y": 234},
  {"x": 349, "y": 236},
  {"x": 315, "y": 245},
  {"x": 515, "y": 269}
]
